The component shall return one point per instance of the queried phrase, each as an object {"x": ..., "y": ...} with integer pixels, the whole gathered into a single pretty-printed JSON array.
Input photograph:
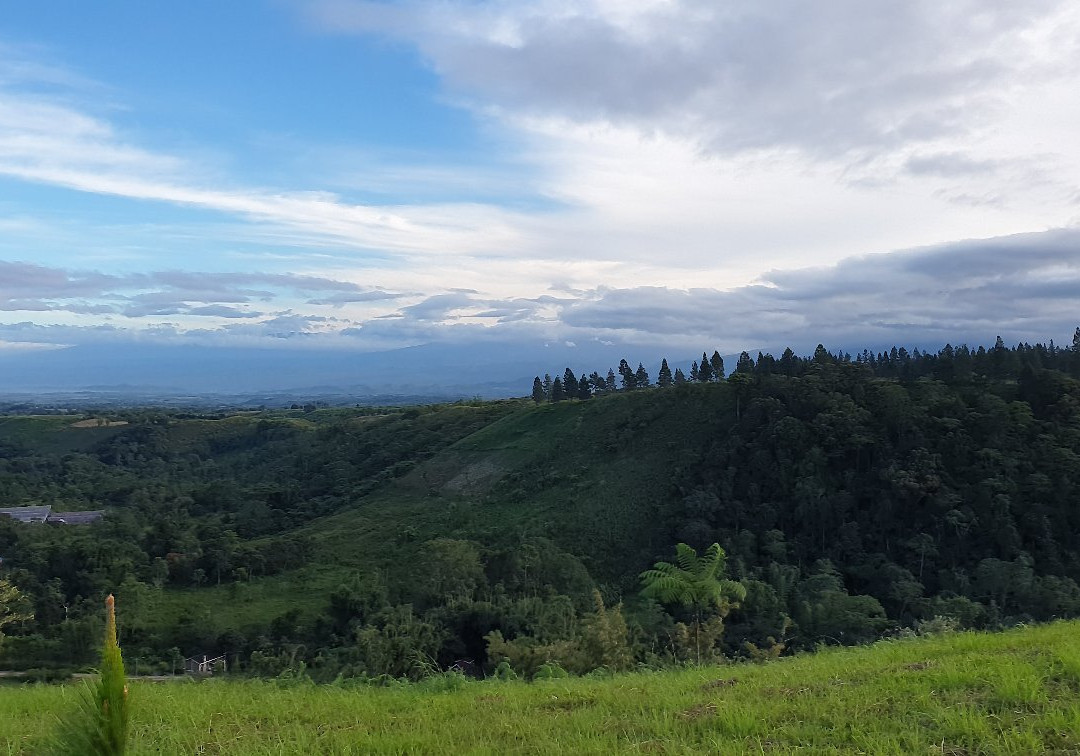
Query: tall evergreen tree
[
  {"x": 569, "y": 382},
  {"x": 788, "y": 362},
  {"x": 583, "y": 390},
  {"x": 538, "y": 395},
  {"x": 628, "y": 379},
  {"x": 610, "y": 382},
  {"x": 1075, "y": 361},
  {"x": 766, "y": 363},
  {"x": 599, "y": 385},
  {"x": 1003, "y": 361},
  {"x": 693, "y": 371},
  {"x": 547, "y": 386},
  {"x": 979, "y": 358},
  {"x": 745, "y": 365},
  {"x": 716, "y": 362},
  {"x": 641, "y": 378},
  {"x": 557, "y": 394},
  {"x": 704, "y": 371},
  {"x": 680, "y": 377},
  {"x": 663, "y": 378}
]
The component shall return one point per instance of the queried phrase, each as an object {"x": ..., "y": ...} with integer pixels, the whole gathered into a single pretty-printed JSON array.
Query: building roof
[
  {"x": 45, "y": 514},
  {"x": 27, "y": 514},
  {"x": 77, "y": 518}
]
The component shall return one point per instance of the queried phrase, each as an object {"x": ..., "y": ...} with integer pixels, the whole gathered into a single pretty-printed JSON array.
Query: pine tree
[
  {"x": 583, "y": 390},
  {"x": 547, "y": 386},
  {"x": 1075, "y": 356},
  {"x": 628, "y": 379},
  {"x": 745, "y": 365},
  {"x": 766, "y": 363},
  {"x": 788, "y": 362},
  {"x": 599, "y": 385},
  {"x": 694, "y": 371},
  {"x": 1002, "y": 360},
  {"x": 704, "y": 371},
  {"x": 663, "y": 378},
  {"x": 609, "y": 382},
  {"x": 716, "y": 362},
  {"x": 641, "y": 378},
  {"x": 557, "y": 394},
  {"x": 538, "y": 391},
  {"x": 569, "y": 382},
  {"x": 680, "y": 378}
]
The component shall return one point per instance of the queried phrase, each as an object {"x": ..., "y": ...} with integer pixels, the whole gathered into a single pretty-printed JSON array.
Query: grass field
[{"x": 1010, "y": 693}]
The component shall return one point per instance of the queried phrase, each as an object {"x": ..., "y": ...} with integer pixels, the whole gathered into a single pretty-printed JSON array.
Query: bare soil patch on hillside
[{"x": 98, "y": 422}]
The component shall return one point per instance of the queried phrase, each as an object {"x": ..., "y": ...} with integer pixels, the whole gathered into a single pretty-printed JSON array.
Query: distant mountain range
[
  {"x": 191, "y": 374},
  {"x": 426, "y": 372}
]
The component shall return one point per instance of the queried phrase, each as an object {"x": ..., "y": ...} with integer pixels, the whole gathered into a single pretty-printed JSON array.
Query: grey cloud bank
[
  {"x": 1024, "y": 287},
  {"x": 36, "y": 288}
]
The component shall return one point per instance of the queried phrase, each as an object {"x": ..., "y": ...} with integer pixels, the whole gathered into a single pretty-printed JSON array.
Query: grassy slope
[
  {"x": 53, "y": 433},
  {"x": 587, "y": 475},
  {"x": 1007, "y": 693}
]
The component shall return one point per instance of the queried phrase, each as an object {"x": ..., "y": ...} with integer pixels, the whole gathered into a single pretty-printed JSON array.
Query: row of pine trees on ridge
[
  {"x": 570, "y": 387},
  {"x": 950, "y": 363}
]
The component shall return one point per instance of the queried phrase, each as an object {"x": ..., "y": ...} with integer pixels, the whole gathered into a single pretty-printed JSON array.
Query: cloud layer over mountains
[
  {"x": 1023, "y": 287},
  {"x": 647, "y": 173}
]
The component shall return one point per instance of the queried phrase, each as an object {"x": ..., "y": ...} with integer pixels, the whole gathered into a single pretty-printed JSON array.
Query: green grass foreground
[{"x": 1016, "y": 692}]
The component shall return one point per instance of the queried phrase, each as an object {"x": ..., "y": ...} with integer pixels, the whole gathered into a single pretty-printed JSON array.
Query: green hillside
[
  {"x": 590, "y": 476},
  {"x": 1003, "y": 693},
  {"x": 594, "y": 501},
  {"x": 852, "y": 498}
]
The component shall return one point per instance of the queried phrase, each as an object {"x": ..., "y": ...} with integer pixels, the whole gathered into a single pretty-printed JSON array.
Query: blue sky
[{"x": 359, "y": 175}]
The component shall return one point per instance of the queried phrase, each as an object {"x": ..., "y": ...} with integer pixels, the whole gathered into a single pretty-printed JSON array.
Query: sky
[{"x": 678, "y": 174}]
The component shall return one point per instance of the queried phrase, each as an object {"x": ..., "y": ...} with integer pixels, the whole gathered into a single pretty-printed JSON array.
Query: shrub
[{"x": 551, "y": 670}]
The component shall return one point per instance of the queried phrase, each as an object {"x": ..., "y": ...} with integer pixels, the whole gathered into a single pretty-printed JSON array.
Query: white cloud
[
  {"x": 685, "y": 149},
  {"x": 822, "y": 78},
  {"x": 693, "y": 143},
  {"x": 28, "y": 346}
]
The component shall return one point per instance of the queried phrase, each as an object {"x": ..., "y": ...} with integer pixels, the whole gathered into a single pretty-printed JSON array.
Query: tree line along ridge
[{"x": 949, "y": 363}]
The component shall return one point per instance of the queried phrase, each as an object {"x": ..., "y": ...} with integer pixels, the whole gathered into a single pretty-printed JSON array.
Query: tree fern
[{"x": 696, "y": 582}]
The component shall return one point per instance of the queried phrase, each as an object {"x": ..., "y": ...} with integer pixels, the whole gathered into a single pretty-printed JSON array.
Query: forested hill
[{"x": 850, "y": 499}]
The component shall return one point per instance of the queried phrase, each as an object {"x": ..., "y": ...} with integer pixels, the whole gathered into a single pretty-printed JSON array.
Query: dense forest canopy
[{"x": 851, "y": 496}]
